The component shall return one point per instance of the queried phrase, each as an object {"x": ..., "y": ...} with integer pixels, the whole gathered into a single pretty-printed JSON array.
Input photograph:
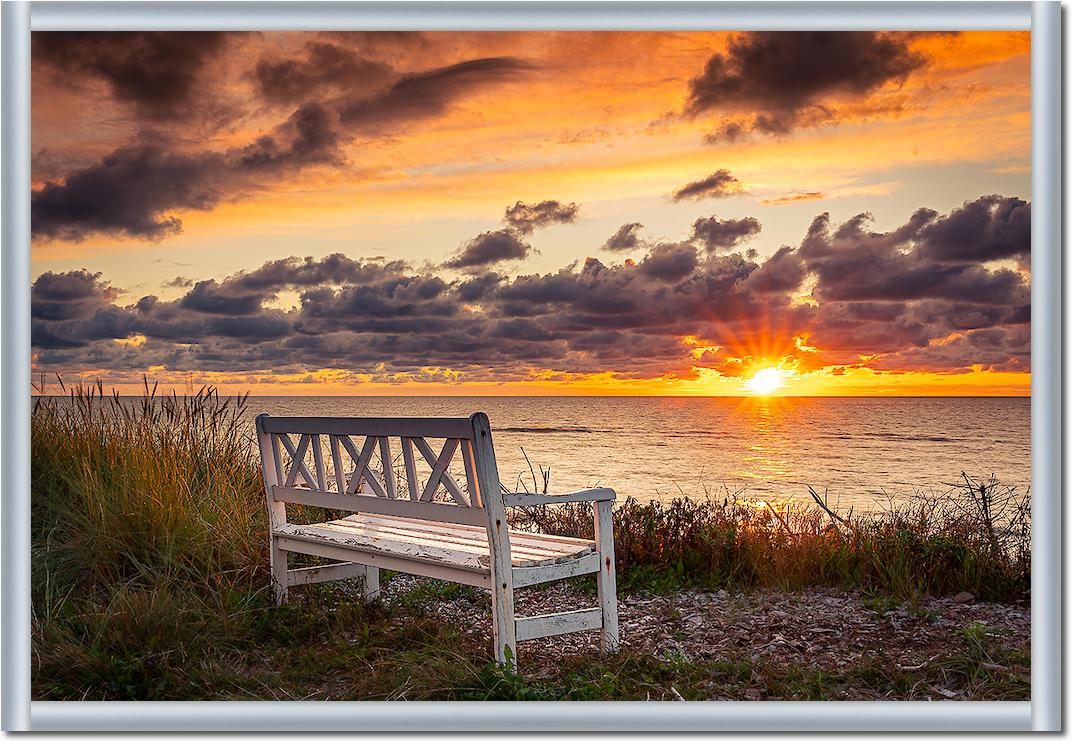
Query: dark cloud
[
  {"x": 135, "y": 191},
  {"x": 989, "y": 228},
  {"x": 207, "y": 297},
  {"x": 155, "y": 71},
  {"x": 128, "y": 194},
  {"x": 325, "y": 66},
  {"x": 787, "y": 79},
  {"x": 781, "y": 273},
  {"x": 334, "y": 269},
  {"x": 489, "y": 248},
  {"x": 625, "y": 238},
  {"x": 718, "y": 184},
  {"x": 669, "y": 263},
  {"x": 723, "y": 234},
  {"x": 427, "y": 94},
  {"x": 526, "y": 218},
  {"x": 310, "y": 136},
  {"x": 132, "y": 191},
  {"x": 846, "y": 296},
  {"x": 853, "y": 263},
  {"x": 59, "y": 296}
]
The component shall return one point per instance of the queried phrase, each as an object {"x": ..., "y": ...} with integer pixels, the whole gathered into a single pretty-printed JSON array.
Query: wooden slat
[
  {"x": 325, "y": 573},
  {"x": 439, "y": 467},
  {"x": 525, "y": 499},
  {"x": 523, "y": 554},
  {"x": 546, "y": 573},
  {"x": 467, "y": 540},
  {"x": 411, "y": 468},
  {"x": 318, "y": 462},
  {"x": 366, "y": 530},
  {"x": 336, "y": 462},
  {"x": 368, "y": 504},
  {"x": 553, "y": 624},
  {"x": 448, "y": 481},
  {"x": 410, "y": 550},
  {"x": 434, "y": 427},
  {"x": 297, "y": 461},
  {"x": 276, "y": 457},
  {"x": 388, "y": 467},
  {"x": 470, "y": 473},
  {"x": 557, "y": 546},
  {"x": 384, "y": 561}
]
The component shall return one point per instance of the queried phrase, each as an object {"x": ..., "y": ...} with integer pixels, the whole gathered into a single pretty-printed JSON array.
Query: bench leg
[
  {"x": 606, "y": 582},
  {"x": 371, "y": 589},
  {"x": 503, "y": 626},
  {"x": 278, "y": 560}
]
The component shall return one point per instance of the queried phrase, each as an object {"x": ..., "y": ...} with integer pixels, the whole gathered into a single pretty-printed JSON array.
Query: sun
[{"x": 766, "y": 381}]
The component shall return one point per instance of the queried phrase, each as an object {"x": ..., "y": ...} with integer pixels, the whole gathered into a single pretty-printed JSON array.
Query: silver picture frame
[{"x": 1042, "y": 713}]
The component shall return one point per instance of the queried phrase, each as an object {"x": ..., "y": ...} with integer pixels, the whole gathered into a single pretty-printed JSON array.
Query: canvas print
[{"x": 668, "y": 366}]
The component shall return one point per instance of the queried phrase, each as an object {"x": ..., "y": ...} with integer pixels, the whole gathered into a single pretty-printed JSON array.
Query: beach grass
[{"x": 150, "y": 576}]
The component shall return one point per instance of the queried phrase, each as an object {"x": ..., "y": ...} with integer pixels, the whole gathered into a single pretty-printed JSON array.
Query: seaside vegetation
[{"x": 149, "y": 576}]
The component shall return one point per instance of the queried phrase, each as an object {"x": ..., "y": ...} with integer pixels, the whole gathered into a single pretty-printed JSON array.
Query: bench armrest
[{"x": 524, "y": 499}]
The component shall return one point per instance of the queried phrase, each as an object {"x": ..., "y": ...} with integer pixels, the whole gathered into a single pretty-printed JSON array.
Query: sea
[{"x": 861, "y": 452}]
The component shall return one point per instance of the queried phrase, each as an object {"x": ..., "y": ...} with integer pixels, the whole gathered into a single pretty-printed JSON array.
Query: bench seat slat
[
  {"x": 430, "y": 541},
  {"x": 529, "y": 542},
  {"x": 538, "y": 553},
  {"x": 417, "y": 538},
  {"x": 515, "y": 536}
]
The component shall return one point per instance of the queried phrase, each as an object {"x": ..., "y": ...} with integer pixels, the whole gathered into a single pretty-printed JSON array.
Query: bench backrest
[{"x": 349, "y": 463}]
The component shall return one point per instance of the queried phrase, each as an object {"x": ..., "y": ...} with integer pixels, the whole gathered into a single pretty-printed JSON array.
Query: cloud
[
  {"x": 669, "y": 262},
  {"x": 884, "y": 300},
  {"x": 794, "y": 198},
  {"x": 715, "y": 234},
  {"x": 782, "y": 273},
  {"x": 132, "y": 192},
  {"x": 989, "y": 228},
  {"x": 128, "y": 194},
  {"x": 206, "y": 297},
  {"x": 325, "y": 66},
  {"x": 136, "y": 190},
  {"x": 60, "y": 296},
  {"x": 310, "y": 136},
  {"x": 625, "y": 238},
  {"x": 719, "y": 184},
  {"x": 786, "y": 80},
  {"x": 489, "y": 248},
  {"x": 155, "y": 71},
  {"x": 526, "y": 218},
  {"x": 427, "y": 94},
  {"x": 334, "y": 269}
]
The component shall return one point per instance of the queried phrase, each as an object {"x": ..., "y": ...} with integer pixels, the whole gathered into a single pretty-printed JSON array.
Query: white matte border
[{"x": 1042, "y": 713}]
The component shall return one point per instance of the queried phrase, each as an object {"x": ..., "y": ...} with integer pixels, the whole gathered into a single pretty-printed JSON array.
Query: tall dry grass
[{"x": 974, "y": 536}]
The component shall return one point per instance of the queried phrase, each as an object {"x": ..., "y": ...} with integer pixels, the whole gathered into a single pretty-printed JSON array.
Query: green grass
[{"x": 150, "y": 581}]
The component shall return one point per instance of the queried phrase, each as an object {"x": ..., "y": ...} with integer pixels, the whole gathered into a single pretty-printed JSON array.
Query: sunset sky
[{"x": 533, "y": 213}]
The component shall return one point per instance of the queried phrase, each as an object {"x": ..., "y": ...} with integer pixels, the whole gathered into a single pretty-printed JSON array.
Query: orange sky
[{"x": 163, "y": 162}]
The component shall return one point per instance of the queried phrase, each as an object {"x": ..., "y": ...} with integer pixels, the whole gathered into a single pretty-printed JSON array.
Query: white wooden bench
[{"x": 430, "y": 525}]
